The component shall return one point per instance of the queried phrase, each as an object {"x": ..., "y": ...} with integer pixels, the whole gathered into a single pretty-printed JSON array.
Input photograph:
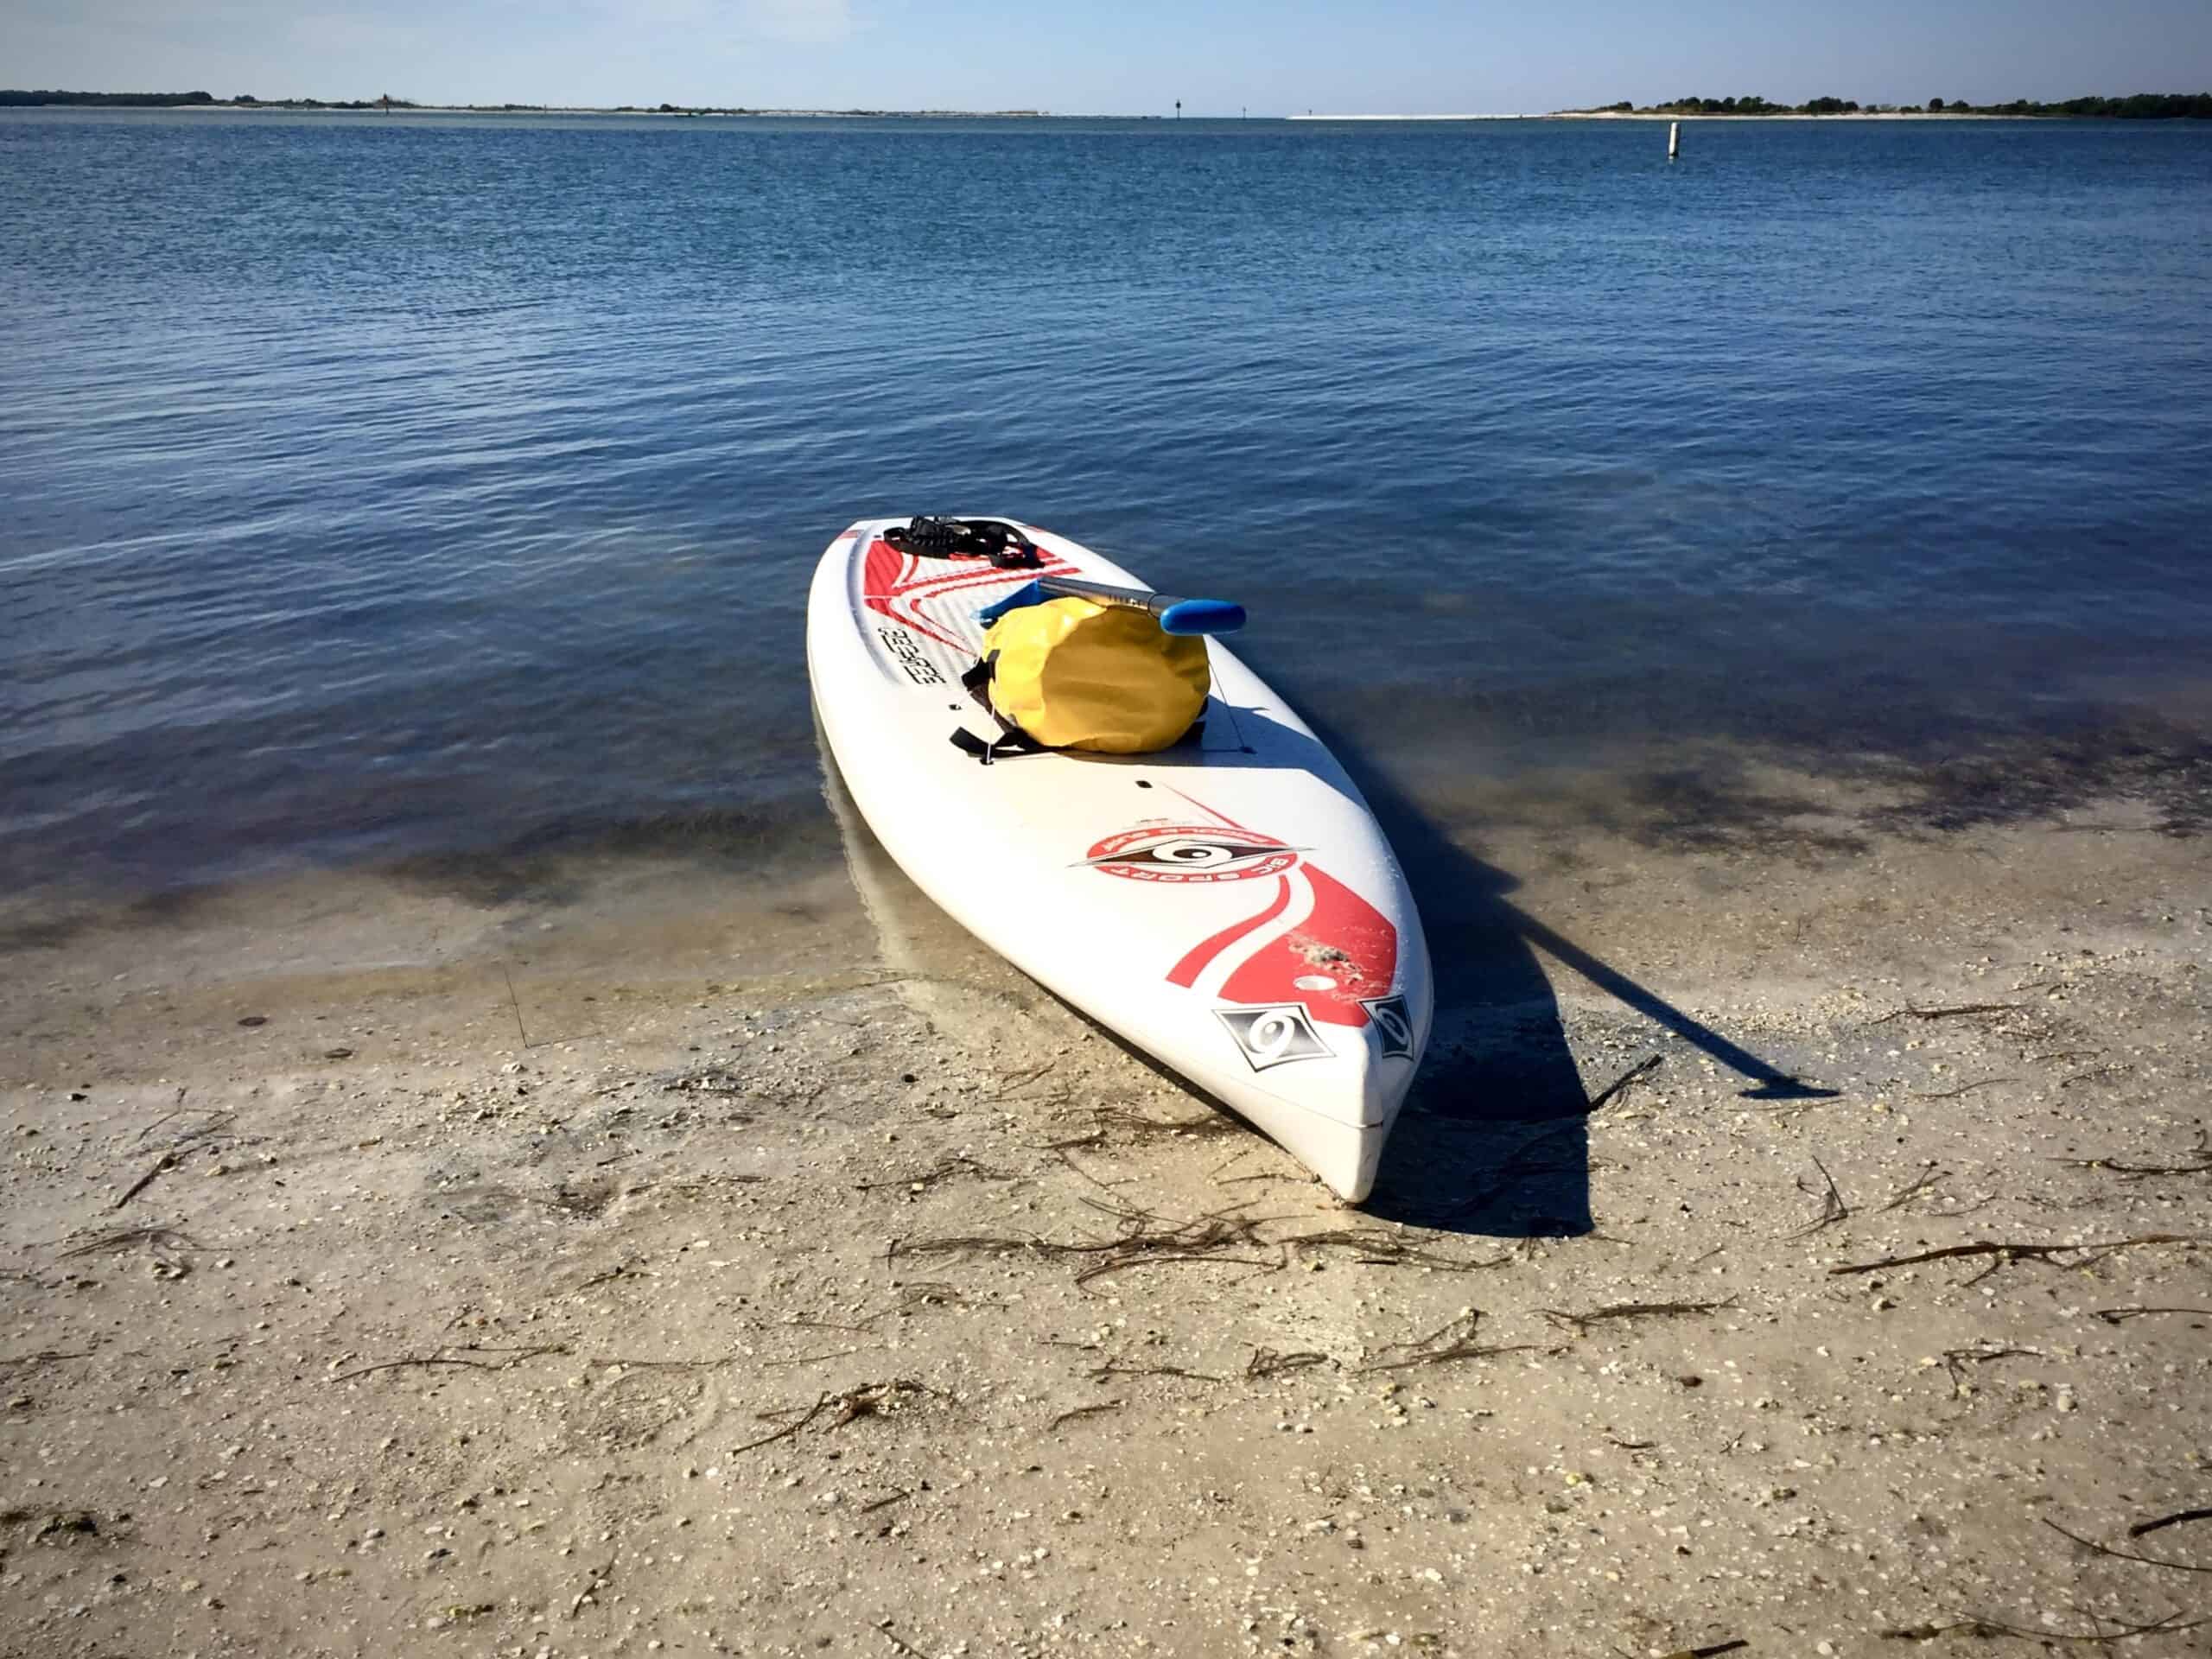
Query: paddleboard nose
[
  {"x": 1344, "y": 1155},
  {"x": 1360, "y": 1090},
  {"x": 1335, "y": 1118}
]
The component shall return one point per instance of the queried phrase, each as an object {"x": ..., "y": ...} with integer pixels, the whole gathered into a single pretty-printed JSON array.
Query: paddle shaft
[{"x": 1174, "y": 614}]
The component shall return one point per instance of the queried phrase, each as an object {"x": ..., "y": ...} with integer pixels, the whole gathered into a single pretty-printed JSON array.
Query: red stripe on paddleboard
[
  {"x": 884, "y": 584},
  {"x": 1185, "y": 973},
  {"x": 1346, "y": 940}
]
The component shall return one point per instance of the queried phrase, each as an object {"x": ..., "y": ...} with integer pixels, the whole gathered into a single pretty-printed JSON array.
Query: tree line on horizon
[
  {"x": 12, "y": 97},
  {"x": 2139, "y": 106},
  {"x": 15, "y": 98}
]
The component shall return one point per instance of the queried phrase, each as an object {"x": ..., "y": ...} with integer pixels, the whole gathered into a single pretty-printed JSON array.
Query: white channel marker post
[{"x": 1674, "y": 139}]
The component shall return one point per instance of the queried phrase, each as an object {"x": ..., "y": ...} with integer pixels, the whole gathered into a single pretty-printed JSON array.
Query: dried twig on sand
[
  {"x": 1580, "y": 1322},
  {"x": 946, "y": 1170},
  {"x": 1523, "y": 1163},
  {"x": 1925, "y": 1182},
  {"x": 800, "y": 1419},
  {"x": 2005, "y": 1254},
  {"x": 122, "y": 1238},
  {"x": 593, "y": 1585},
  {"x": 1957, "y": 1012},
  {"x": 2179, "y": 1517},
  {"x": 864, "y": 1400},
  {"x": 805, "y": 1322},
  {"x": 2121, "y": 1315},
  {"x": 1113, "y": 1368},
  {"x": 2203, "y": 1165},
  {"x": 1963, "y": 1089},
  {"x": 1265, "y": 1361},
  {"x": 1371, "y": 1247},
  {"x": 1986, "y": 1628},
  {"x": 2122, "y": 1554},
  {"x": 1454, "y": 1340},
  {"x": 878, "y": 1398},
  {"x": 1076, "y": 1412},
  {"x": 1833, "y": 1208},
  {"x": 1137, "y": 1124},
  {"x": 1076, "y": 1142},
  {"x": 168, "y": 1161},
  {"x": 469, "y": 1358},
  {"x": 2093, "y": 1073},
  {"x": 1620, "y": 1086},
  {"x": 1206, "y": 1240},
  {"x": 160, "y": 1166},
  {"x": 1142, "y": 1241},
  {"x": 620, "y": 1270},
  {"x": 1956, "y": 1359},
  {"x": 1018, "y": 1080}
]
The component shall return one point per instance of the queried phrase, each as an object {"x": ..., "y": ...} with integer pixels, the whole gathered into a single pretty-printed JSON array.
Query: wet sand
[{"x": 629, "y": 1252}]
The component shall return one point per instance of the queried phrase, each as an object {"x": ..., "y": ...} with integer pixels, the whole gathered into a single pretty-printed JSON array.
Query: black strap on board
[
  {"x": 1007, "y": 743},
  {"x": 995, "y": 539}
]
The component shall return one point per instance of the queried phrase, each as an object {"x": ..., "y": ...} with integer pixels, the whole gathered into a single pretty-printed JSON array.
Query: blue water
[{"x": 380, "y": 485}]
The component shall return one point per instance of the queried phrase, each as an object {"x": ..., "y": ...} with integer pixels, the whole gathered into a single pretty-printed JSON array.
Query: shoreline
[
  {"x": 610, "y": 1258},
  {"x": 1641, "y": 114}
]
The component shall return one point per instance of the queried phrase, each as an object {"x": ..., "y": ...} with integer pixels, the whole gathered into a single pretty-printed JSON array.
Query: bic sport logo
[{"x": 1191, "y": 854}]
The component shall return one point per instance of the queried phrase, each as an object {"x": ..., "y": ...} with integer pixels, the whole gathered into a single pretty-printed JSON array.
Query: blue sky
[{"x": 1414, "y": 56}]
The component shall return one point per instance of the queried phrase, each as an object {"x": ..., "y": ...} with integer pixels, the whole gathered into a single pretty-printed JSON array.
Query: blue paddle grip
[{"x": 1202, "y": 616}]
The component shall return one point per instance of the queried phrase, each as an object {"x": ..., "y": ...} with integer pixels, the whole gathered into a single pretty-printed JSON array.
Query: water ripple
[{"x": 378, "y": 486}]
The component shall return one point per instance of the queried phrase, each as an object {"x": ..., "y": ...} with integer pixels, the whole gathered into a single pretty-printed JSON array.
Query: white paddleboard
[{"x": 1228, "y": 905}]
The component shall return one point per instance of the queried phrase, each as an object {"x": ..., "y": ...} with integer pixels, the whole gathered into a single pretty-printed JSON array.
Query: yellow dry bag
[{"x": 1072, "y": 674}]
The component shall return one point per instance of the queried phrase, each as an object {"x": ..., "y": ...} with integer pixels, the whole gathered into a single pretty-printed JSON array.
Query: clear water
[{"x": 382, "y": 486}]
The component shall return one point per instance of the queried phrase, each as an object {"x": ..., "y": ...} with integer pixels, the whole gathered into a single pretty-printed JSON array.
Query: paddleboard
[{"x": 1228, "y": 905}]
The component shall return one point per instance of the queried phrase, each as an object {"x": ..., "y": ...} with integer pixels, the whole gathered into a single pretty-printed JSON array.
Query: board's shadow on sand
[{"x": 1494, "y": 1138}]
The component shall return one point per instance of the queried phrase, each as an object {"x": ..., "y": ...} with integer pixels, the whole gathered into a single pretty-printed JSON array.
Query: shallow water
[{"x": 397, "y": 487}]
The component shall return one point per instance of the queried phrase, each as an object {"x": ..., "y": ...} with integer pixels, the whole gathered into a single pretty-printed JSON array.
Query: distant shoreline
[
  {"x": 200, "y": 104},
  {"x": 2139, "y": 106}
]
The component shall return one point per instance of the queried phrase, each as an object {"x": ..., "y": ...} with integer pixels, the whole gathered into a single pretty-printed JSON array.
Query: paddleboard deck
[{"x": 1229, "y": 904}]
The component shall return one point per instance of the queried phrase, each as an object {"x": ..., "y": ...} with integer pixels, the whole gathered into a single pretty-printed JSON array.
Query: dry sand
[{"x": 614, "y": 1256}]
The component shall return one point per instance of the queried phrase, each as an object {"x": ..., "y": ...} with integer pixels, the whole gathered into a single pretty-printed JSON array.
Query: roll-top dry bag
[{"x": 1072, "y": 674}]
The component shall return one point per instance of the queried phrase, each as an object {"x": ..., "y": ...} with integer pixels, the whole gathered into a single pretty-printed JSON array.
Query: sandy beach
[{"x": 1796, "y": 1246}]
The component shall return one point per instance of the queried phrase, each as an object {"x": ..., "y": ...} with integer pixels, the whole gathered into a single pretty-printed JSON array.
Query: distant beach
[
  {"x": 1665, "y": 115},
  {"x": 1710, "y": 115}
]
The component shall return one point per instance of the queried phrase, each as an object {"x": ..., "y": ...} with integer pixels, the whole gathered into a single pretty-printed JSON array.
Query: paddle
[{"x": 1175, "y": 614}]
